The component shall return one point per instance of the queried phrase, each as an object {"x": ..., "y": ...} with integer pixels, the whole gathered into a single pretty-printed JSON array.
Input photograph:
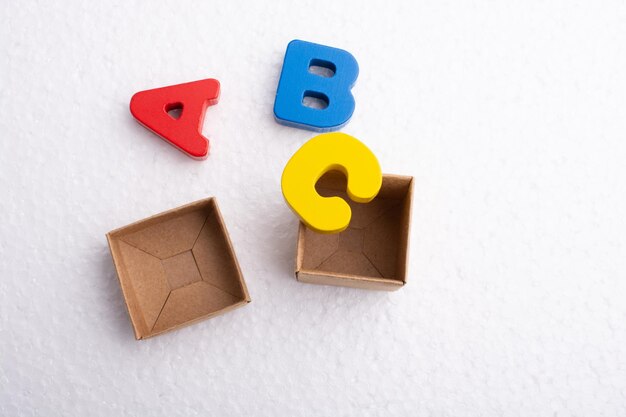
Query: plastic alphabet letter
[
  {"x": 151, "y": 108},
  {"x": 323, "y": 153},
  {"x": 329, "y": 88}
]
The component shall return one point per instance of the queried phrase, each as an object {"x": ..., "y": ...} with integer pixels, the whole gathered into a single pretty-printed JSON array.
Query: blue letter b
[{"x": 314, "y": 88}]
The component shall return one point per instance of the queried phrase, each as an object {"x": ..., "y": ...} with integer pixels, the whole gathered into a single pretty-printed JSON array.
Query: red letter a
[{"x": 151, "y": 107}]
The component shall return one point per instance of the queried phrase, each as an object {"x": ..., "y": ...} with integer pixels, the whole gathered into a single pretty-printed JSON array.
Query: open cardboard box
[
  {"x": 372, "y": 252},
  {"x": 177, "y": 268}
]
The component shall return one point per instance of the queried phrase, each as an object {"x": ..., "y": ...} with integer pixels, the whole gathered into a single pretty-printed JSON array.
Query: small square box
[
  {"x": 372, "y": 252},
  {"x": 177, "y": 268}
]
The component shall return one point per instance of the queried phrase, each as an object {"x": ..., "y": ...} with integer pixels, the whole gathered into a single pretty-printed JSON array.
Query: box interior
[
  {"x": 176, "y": 268},
  {"x": 374, "y": 246}
]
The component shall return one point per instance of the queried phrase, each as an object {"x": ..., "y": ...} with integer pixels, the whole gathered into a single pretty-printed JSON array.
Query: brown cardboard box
[
  {"x": 372, "y": 252},
  {"x": 177, "y": 268}
]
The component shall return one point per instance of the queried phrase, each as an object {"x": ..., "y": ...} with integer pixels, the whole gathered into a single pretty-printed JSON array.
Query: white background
[{"x": 511, "y": 116}]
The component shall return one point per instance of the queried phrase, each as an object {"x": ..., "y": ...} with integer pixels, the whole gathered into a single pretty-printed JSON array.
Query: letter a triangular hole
[{"x": 176, "y": 113}]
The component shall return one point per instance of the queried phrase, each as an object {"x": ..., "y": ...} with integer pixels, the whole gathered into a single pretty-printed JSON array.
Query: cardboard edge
[
  {"x": 300, "y": 247},
  {"x": 197, "y": 320},
  {"x": 127, "y": 294},
  {"x": 151, "y": 220},
  {"x": 407, "y": 214},
  {"x": 231, "y": 249},
  {"x": 347, "y": 280}
]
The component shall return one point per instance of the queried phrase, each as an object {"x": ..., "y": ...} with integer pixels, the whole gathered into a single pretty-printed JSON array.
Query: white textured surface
[{"x": 512, "y": 118}]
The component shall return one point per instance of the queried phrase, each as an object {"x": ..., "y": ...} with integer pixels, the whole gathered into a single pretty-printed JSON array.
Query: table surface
[{"x": 510, "y": 116}]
